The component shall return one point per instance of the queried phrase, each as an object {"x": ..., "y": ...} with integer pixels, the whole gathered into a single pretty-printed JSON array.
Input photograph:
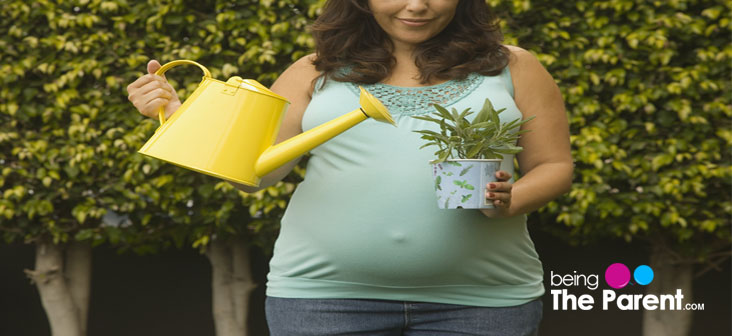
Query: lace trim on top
[{"x": 409, "y": 101}]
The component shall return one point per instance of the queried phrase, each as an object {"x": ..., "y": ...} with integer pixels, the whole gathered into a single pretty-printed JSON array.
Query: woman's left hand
[{"x": 499, "y": 193}]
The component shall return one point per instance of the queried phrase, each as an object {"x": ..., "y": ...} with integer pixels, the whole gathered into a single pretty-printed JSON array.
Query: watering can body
[{"x": 228, "y": 129}]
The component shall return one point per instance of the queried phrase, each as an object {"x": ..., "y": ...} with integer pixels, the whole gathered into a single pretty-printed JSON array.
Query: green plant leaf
[
  {"x": 473, "y": 152},
  {"x": 465, "y": 170},
  {"x": 444, "y": 113},
  {"x": 484, "y": 114}
]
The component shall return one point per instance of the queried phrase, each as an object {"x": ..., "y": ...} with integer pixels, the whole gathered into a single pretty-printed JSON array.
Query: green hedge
[
  {"x": 646, "y": 85},
  {"x": 68, "y": 135},
  {"x": 647, "y": 88}
]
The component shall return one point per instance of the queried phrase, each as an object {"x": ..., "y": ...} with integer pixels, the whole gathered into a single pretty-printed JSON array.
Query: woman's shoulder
[
  {"x": 520, "y": 58},
  {"x": 303, "y": 68},
  {"x": 305, "y": 63},
  {"x": 299, "y": 76},
  {"x": 523, "y": 65},
  {"x": 530, "y": 78},
  {"x": 516, "y": 50}
]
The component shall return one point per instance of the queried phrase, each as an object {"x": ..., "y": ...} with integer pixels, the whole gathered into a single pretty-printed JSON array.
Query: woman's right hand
[{"x": 149, "y": 92}]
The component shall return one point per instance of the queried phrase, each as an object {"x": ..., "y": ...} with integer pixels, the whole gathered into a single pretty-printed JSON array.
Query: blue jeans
[{"x": 327, "y": 317}]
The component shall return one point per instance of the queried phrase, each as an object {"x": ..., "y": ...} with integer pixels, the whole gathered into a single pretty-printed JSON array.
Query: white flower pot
[{"x": 462, "y": 183}]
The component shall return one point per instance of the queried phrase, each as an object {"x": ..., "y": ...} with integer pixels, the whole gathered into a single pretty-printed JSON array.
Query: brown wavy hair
[{"x": 348, "y": 37}]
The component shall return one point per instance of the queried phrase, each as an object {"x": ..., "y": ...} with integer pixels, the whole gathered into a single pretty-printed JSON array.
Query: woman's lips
[{"x": 414, "y": 22}]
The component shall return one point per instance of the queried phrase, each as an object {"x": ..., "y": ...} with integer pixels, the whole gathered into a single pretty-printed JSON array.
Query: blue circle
[{"x": 643, "y": 275}]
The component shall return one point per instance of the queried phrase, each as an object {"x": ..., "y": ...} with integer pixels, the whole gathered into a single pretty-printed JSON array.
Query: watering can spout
[
  {"x": 226, "y": 129},
  {"x": 288, "y": 150}
]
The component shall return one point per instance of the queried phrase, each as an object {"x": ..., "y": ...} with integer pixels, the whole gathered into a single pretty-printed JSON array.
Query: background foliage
[
  {"x": 68, "y": 135},
  {"x": 646, "y": 85},
  {"x": 647, "y": 88}
]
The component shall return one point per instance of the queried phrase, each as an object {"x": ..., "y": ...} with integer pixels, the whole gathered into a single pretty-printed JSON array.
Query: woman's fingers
[
  {"x": 149, "y": 93},
  {"x": 155, "y": 92},
  {"x": 149, "y": 83},
  {"x": 500, "y": 191},
  {"x": 499, "y": 186},
  {"x": 153, "y": 106},
  {"x": 153, "y": 66},
  {"x": 142, "y": 81},
  {"x": 150, "y": 103},
  {"x": 502, "y": 196},
  {"x": 503, "y": 175}
]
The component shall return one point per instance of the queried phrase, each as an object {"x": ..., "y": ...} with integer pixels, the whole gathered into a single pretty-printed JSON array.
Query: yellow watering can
[{"x": 228, "y": 129}]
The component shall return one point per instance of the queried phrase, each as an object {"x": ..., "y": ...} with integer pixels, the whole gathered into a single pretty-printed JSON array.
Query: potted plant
[{"x": 469, "y": 153}]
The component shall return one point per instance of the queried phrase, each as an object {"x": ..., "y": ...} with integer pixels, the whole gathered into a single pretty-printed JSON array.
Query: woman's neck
[{"x": 405, "y": 71}]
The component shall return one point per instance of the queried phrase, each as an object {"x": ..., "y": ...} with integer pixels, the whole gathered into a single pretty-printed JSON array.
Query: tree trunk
[
  {"x": 669, "y": 275},
  {"x": 243, "y": 283},
  {"x": 231, "y": 285},
  {"x": 78, "y": 278},
  {"x": 65, "y": 302}
]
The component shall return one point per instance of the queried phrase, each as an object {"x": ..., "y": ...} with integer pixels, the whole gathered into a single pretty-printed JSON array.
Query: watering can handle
[{"x": 166, "y": 67}]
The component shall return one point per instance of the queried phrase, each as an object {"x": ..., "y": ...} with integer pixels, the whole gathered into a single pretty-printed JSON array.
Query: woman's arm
[
  {"x": 546, "y": 161},
  {"x": 295, "y": 85}
]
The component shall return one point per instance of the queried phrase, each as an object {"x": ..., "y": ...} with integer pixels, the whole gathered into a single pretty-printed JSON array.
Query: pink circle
[{"x": 617, "y": 275}]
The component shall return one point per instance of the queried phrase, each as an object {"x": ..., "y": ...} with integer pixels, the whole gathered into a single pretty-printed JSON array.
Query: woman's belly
[{"x": 382, "y": 227}]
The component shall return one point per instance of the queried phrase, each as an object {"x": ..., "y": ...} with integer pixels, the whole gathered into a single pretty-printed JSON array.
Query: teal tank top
[{"x": 364, "y": 223}]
